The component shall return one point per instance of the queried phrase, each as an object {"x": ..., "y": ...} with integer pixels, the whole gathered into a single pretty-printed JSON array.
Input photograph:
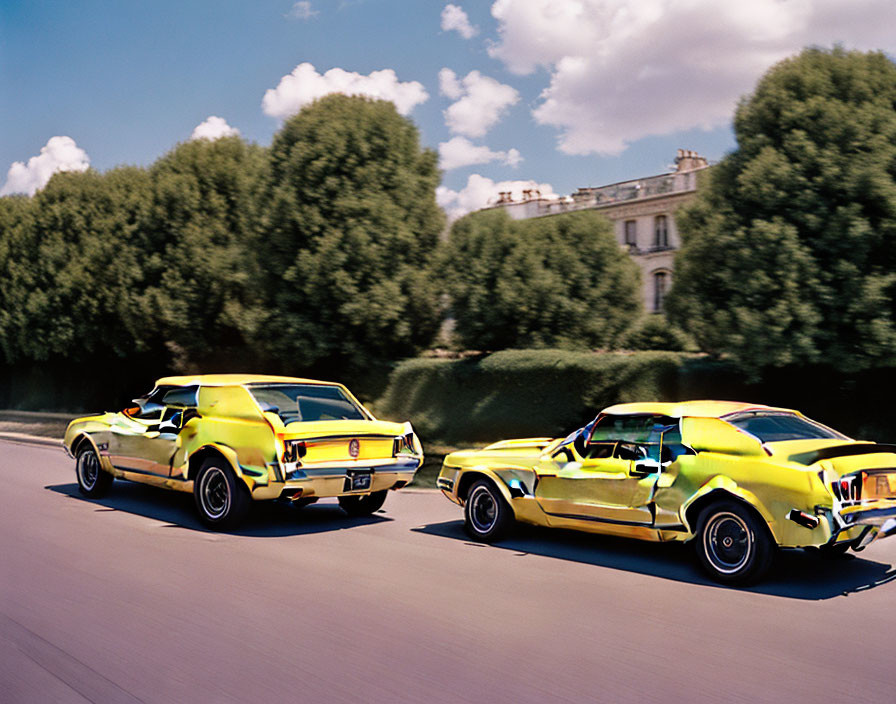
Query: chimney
[{"x": 688, "y": 160}]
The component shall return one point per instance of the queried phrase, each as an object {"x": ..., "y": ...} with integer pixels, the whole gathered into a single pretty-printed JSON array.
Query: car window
[
  {"x": 306, "y": 402},
  {"x": 150, "y": 406},
  {"x": 637, "y": 437},
  {"x": 183, "y": 397},
  {"x": 774, "y": 426}
]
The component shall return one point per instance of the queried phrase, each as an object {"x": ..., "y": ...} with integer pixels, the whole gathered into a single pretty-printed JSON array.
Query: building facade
[{"x": 642, "y": 212}]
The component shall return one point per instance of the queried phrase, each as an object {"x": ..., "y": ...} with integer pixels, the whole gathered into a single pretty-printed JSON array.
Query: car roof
[
  {"x": 692, "y": 409},
  {"x": 234, "y": 380}
]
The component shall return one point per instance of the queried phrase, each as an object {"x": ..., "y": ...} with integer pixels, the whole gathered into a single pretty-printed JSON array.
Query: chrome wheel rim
[
  {"x": 483, "y": 510},
  {"x": 728, "y": 542},
  {"x": 214, "y": 491},
  {"x": 88, "y": 470}
]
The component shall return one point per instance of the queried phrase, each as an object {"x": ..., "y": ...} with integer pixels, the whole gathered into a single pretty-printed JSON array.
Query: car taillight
[
  {"x": 848, "y": 488},
  {"x": 293, "y": 450},
  {"x": 403, "y": 445}
]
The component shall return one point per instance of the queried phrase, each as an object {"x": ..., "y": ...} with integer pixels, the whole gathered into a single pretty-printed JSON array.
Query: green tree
[
  {"x": 204, "y": 297},
  {"x": 16, "y": 238},
  {"x": 787, "y": 252},
  {"x": 351, "y": 225},
  {"x": 554, "y": 281},
  {"x": 75, "y": 272},
  {"x": 653, "y": 332}
]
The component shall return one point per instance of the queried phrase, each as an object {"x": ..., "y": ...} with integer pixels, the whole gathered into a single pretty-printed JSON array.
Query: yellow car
[
  {"x": 232, "y": 438},
  {"x": 736, "y": 479}
]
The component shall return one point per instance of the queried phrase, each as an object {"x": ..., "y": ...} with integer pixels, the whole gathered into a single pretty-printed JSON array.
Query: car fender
[
  {"x": 85, "y": 436},
  {"x": 225, "y": 451},
  {"x": 725, "y": 485},
  {"x": 469, "y": 476}
]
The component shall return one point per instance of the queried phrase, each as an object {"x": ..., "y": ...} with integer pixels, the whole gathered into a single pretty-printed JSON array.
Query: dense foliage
[
  {"x": 351, "y": 224},
  {"x": 522, "y": 393},
  {"x": 788, "y": 253},
  {"x": 559, "y": 281},
  {"x": 74, "y": 267},
  {"x": 312, "y": 255},
  {"x": 549, "y": 392}
]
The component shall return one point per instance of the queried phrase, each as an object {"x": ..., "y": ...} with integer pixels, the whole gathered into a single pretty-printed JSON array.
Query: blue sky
[{"x": 566, "y": 93}]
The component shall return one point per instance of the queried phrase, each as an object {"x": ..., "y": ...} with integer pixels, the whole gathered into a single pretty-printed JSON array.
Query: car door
[
  {"x": 148, "y": 445},
  {"x": 613, "y": 479}
]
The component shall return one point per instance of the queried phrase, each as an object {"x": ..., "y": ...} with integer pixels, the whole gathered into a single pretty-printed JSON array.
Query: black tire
[
  {"x": 222, "y": 499},
  {"x": 93, "y": 480},
  {"x": 363, "y": 505},
  {"x": 487, "y": 516},
  {"x": 733, "y": 544}
]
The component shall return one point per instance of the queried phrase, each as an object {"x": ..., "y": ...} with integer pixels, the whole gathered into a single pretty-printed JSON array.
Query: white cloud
[
  {"x": 449, "y": 86},
  {"x": 302, "y": 10},
  {"x": 481, "y": 191},
  {"x": 212, "y": 128},
  {"x": 454, "y": 18},
  {"x": 305, "y": 85},
  {"x": 460, "y": 151},
  {"x": 480, "y": 102},
  {"x": 59, "y": 154},
  {"x": 622, "y": 70}
]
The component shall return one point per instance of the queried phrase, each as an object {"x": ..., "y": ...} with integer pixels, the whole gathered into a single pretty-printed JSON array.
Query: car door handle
[{"x": 643, "y": 470}]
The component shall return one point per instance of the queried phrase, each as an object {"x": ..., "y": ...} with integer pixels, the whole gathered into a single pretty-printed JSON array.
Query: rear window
[
  {"x": 774, "y": 427},
  {"x": 306, "y": 402}
]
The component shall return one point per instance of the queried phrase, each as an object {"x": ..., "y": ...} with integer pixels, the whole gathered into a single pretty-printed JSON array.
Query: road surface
[{"x": 129, "y": 599}]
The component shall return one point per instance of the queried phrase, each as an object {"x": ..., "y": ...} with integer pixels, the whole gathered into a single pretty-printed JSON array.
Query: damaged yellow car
[
  {"x": 230, "y": 439},
  {"x": 737, "y": 480}
]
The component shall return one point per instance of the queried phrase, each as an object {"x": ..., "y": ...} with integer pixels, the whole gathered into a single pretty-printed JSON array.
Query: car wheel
[
  {"x": 363, "y": 505},
  {"x": 221, "y": 498},
  {"x": 487, "y": 517},
  {"x": 733, "y": 545},
  {"x": 93, "y": 480}
]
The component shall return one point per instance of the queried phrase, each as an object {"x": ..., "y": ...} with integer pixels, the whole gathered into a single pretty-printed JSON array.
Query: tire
[
  {"x": 733, "y": 544},
  {"x": 363, "y": 505},
  {"x": 221, "y": 498},
  {"x": 93, "y": 480},
  {"x": 487, "y": 516}
]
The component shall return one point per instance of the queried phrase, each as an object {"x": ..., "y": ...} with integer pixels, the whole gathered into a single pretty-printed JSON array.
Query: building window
[
  {"x": 660, "y": 286},
  {"x": 661, "y": 232},
  {"x": 631, "y": 233}
]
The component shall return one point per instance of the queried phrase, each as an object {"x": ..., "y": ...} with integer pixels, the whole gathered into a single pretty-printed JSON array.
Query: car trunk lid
[{"x": 340, "y": 440}]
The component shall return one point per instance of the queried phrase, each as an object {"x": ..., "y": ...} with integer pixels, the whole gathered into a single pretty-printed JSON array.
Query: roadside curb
[{"x": 31, "y": 439}]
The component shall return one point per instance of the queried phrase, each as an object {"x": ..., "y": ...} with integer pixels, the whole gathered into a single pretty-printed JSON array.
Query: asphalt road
[{"x": 129, "y": 599}]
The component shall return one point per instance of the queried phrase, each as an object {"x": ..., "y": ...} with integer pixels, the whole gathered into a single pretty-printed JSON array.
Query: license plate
[{"x": 360, "y": 481}]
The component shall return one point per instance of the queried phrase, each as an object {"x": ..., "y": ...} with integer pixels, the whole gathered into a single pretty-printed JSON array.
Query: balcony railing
[{"x": 602, "y": 196}]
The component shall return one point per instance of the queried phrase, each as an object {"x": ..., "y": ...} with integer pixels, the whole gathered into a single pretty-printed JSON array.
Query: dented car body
[
  {"x": 737, "y": 479},
  {"x": 230, "y": 439}
]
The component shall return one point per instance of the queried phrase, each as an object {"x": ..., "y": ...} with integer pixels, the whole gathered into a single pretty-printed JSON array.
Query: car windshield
[
  {"x": 305, "y": 402},
  {"x": 771, "y": 426},
  {"x": 150, "y": 406}
]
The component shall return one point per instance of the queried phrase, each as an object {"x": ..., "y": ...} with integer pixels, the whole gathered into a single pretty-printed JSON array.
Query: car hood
[{"x": 524, "y": 451}]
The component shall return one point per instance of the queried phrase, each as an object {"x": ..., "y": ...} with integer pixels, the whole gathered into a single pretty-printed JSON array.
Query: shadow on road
[
  {"x": 796, "y": 574},
  {"x": 176, "y": 510}
]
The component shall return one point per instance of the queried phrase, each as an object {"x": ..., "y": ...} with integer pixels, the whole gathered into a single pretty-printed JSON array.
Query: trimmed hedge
[
  {"x": 548, "y": 392},
  {"x": 519, "y": 393}
]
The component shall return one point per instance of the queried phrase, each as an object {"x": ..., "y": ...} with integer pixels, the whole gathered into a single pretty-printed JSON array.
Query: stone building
[{"x": 642, "y": 212}]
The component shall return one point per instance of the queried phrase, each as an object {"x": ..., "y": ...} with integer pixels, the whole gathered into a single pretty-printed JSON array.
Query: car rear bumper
[
  {"x": 877, "y": 517},
  {"x": 336, "y": 479}
]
